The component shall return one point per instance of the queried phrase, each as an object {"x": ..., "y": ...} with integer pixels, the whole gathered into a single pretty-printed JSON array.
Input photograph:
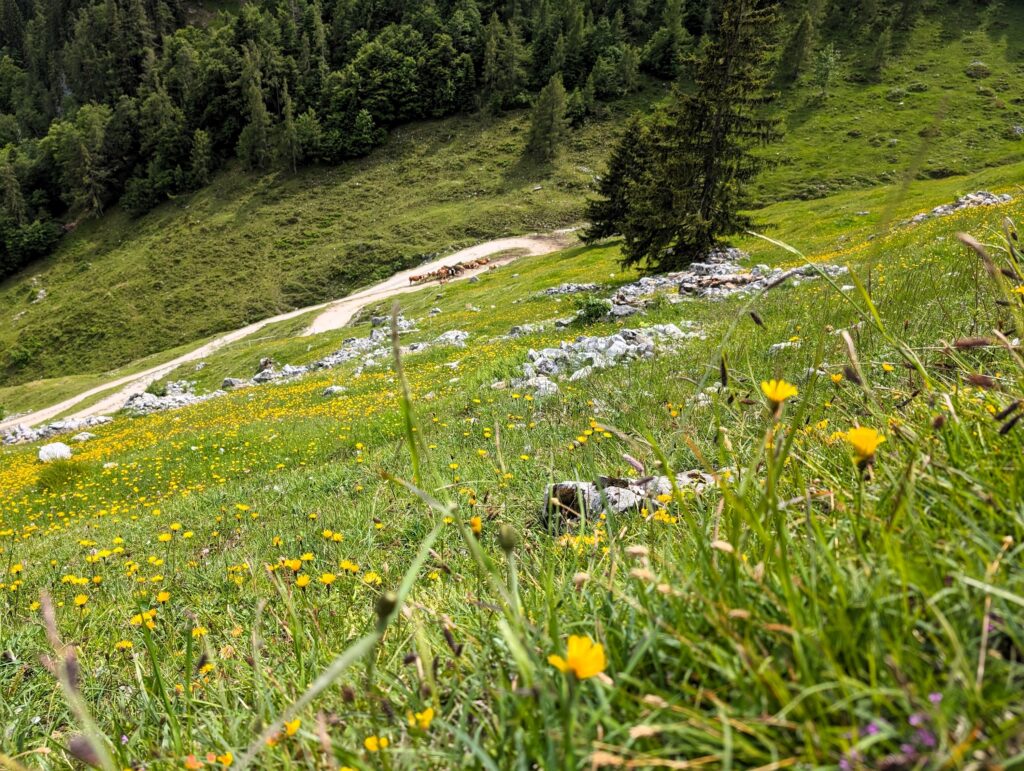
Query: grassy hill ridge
[{"x": 808, "y": 607}]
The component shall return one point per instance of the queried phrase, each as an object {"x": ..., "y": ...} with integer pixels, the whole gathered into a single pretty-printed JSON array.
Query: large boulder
[
  {"x": 568, "y": 503},
  {"x": 49, "y": 453},
  {"x": 454, "y": 337}
]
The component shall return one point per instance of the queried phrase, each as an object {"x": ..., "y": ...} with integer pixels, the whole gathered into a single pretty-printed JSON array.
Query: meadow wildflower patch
[{"x": 833, "y": 579}]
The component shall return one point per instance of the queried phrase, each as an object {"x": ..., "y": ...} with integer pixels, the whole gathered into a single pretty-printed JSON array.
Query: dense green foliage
[
  {"x": 548, "y": 127},
  {"x": 108, "y": 101},
  {"x": 120, "y": 100}
]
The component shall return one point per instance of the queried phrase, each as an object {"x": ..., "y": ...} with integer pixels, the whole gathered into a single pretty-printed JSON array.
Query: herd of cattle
[{"x": 447, "y": 272}]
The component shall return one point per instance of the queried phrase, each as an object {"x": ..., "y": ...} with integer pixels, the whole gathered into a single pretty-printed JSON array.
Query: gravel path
[{"x": 336, "y": 314}]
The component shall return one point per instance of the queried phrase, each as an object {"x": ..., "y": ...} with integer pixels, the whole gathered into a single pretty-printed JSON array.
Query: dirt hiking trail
[{"x": 336, "y": 314}]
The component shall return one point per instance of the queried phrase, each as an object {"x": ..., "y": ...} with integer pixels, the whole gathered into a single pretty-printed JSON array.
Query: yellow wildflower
[
  {"x": 864, "y": 442},
  {"x": 777, "y": 391},
  {"x": 422, "y": 719},
  {"x": 584, "y": 658},
  {"x": 375, "y": 743}
]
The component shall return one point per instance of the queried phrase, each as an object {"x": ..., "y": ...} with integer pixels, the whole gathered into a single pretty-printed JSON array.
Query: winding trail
[{"x": 336, "y": 314}]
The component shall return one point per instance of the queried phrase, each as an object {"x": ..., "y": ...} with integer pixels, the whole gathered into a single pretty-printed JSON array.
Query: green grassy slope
[
  {"x": 247, "y": 247},
  {"x": 926, "y": 117},
  {"x": 796, "y": 613},
  {"x": 840, "y": 227}
]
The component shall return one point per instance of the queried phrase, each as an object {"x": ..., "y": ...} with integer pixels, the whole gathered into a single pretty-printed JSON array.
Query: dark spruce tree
[
  {"x": 549, "y": 125},
  {"x": 627, "y": 162},
  {"x": 797, "y": 51},
  {"x": 699, "y": 152}
]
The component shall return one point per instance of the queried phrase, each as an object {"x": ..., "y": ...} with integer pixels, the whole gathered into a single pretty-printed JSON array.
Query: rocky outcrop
[
  {"x": 522, "y": 330},
  {"x": 20, "y": 434},
  {"x": 719, "y": 274},
  {"x": 455, "y": 337},
  {"x": 570, "y": 288},
  {"x": 969, "y": 201},
  {"x": 180, "y": 393},
  {"x": 580, "y": 358}
]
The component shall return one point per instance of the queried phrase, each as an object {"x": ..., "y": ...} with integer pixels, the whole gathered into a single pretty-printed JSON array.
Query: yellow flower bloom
[
  {"x": 584, "y": 658},
  {"x": 777, "y": 391},
  {"x": 476, "y": 525},
  {"x": 292, "y": 726},
  {"x": 81, "y": 599},
  {"x": 226, "y": 759},
  {"x": 837, "y": 377},
  {"x": 375, "y": 743},
  {"x": 163, "y": 597},
  {"x": 422, "y": 719},
  {"x": 327, "y": 578},
  {"x": 199, "y": 631},
  {"x": 302, "y": 581},
  {"x": 123, "y": 645},
  {"x": 864, "y": 442}
]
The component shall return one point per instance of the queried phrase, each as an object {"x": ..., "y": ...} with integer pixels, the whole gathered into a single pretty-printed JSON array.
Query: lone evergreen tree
[
  {"x": 12, "y": 202},
  {"x": 879, "y": 54},
  {"x": 549, "y": 124},
  {"x": 698, "y": 152},
  {"x": 504, "y": 76},
  {"x": 663, "y": 56}
]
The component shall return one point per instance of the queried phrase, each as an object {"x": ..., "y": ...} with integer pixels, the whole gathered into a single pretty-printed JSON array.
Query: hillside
[
  {"x": 618, "y": 496},
  {"x": 249, "y": 246},
  {"x": 209, "y": 563}
]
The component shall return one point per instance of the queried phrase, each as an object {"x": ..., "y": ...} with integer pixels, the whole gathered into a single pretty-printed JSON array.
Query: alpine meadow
[{"x": 511, "y": 384}]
